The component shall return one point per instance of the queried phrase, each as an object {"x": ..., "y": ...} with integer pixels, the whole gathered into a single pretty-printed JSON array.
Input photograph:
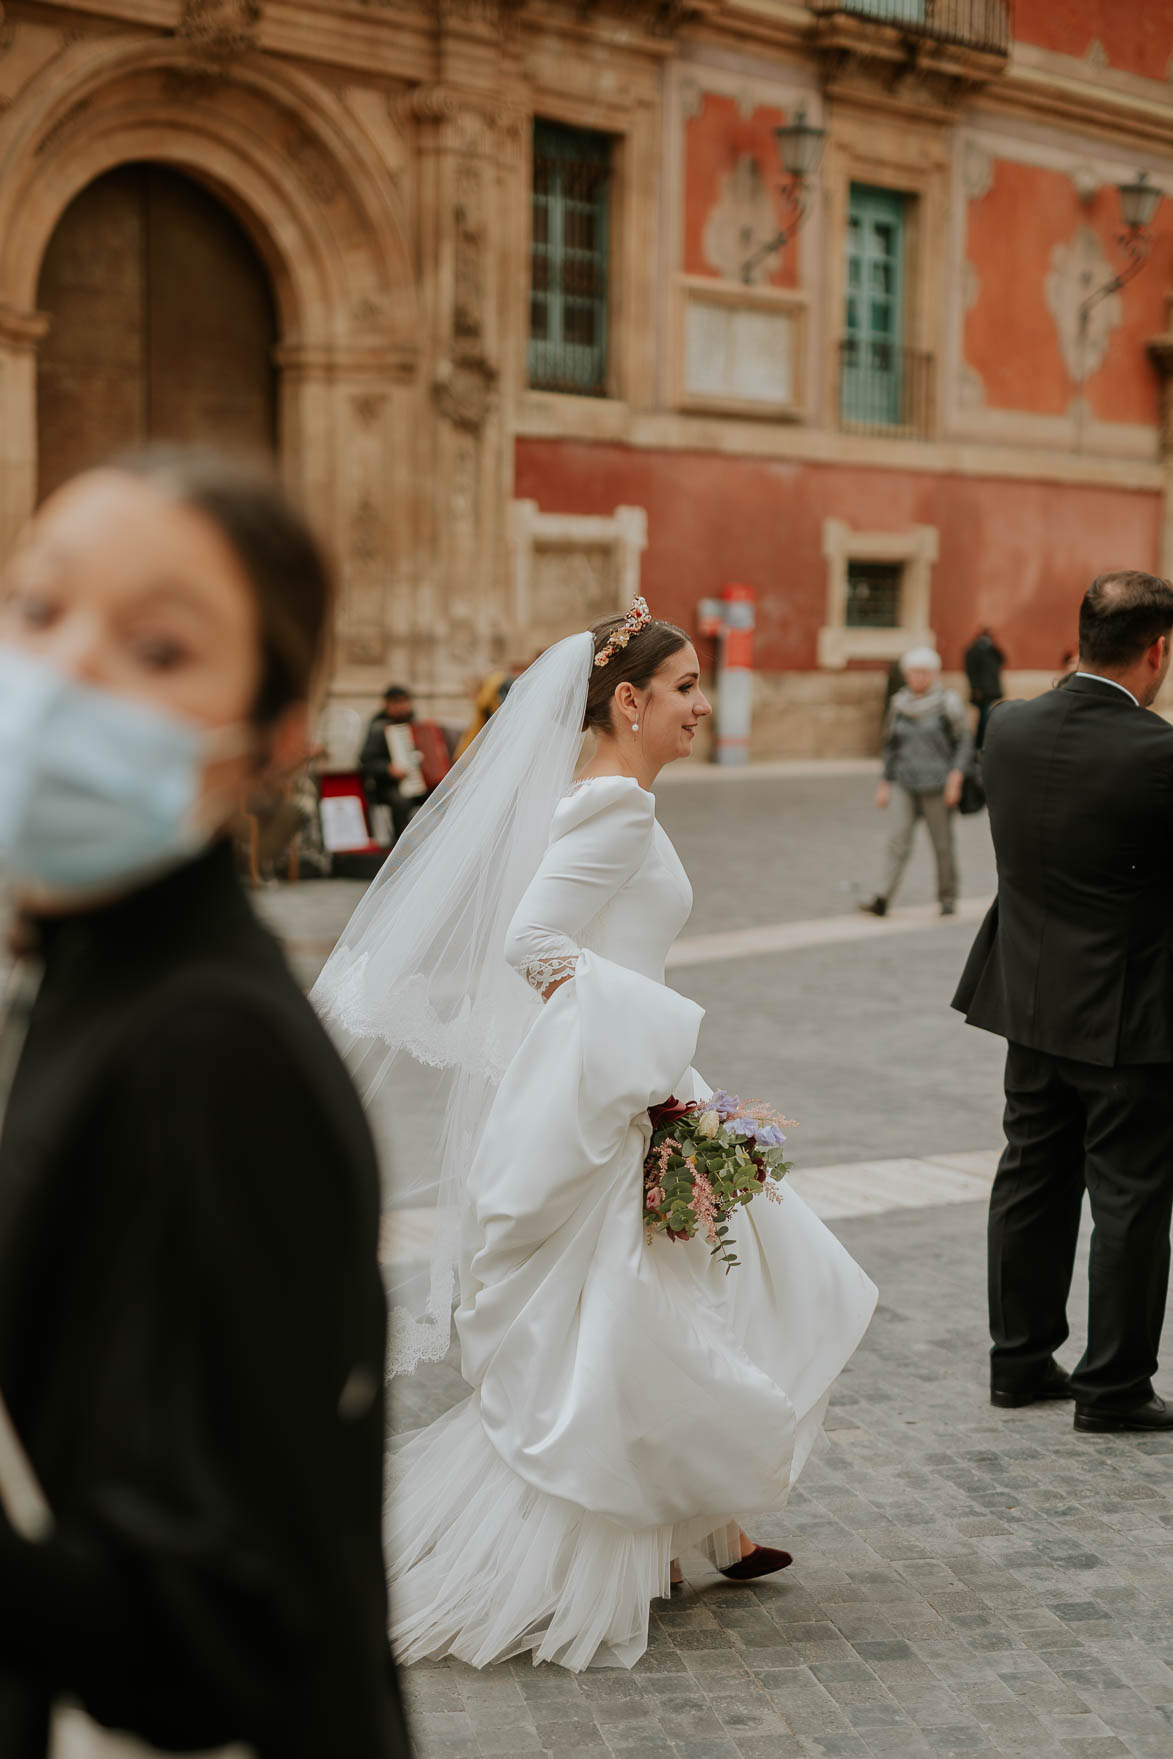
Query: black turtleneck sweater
[{"x": 191, "y": 1344}]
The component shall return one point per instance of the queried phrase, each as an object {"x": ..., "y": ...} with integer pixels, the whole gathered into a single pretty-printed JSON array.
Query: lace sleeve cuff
[{"x": 541, "y": 973}]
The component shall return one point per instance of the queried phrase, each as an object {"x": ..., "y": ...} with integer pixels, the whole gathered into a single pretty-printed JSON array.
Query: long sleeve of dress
[
  {"x": 601, "y": 835},
  {"x": 225, "y": 1518}
]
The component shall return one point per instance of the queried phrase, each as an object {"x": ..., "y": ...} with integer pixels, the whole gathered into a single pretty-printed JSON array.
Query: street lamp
[
  {"x": 1139, "y": 201},
  {"x": 800, "y": 147}
]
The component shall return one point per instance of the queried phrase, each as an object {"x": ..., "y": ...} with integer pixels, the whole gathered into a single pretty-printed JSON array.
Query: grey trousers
[{"x": 908, "y": 807}]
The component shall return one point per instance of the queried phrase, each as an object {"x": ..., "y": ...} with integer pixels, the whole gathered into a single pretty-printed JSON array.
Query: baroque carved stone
[
  {"x": 977, "y": 171},
  {"x": 313, "y": 166},
  {"x": 464, "y": 391},
  {"x": 368, "y": 409},
  {"x": 64, "y": 126},
  {"x": 366, "y": 532},
  {"x": 220, "y": 28},
  {"x": 468, "y": 226},
  {"x": 1077, "y": 268}
]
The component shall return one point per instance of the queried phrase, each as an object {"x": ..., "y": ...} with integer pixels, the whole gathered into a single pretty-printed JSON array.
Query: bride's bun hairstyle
[
  {"x": 635, "y": 661},
  {"x": 282, "y": 561}
]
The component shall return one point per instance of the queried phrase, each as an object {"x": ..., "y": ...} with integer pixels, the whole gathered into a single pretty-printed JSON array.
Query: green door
[{"x": 873, "y": 331}]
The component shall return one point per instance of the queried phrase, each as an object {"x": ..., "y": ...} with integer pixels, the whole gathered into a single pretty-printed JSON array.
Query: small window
[
  {"x": 570, "y": 260},
  {"x": 873, "y": 595}
]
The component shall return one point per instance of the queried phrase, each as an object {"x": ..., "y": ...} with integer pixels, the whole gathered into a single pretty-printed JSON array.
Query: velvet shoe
[{"x": 760, "y": 1562}]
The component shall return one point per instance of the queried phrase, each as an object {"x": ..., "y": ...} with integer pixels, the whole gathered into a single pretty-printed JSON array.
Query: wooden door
[{"x": 163, "y": 325}]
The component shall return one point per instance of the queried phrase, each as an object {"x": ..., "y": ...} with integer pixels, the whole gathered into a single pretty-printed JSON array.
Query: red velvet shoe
[{"x": 760, "y": 1562}]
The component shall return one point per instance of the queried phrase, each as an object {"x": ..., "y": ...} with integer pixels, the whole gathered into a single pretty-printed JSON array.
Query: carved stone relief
[
  {"x": 468, "y": 226},
  {"x": 573, "y": 588},
  {"x": 971, "y": 286},
  {"x": 464, "y": 391},
  {"x": 368, "y": 410},
  {"x": 692, "y": 100},
  {"x": 220, "y": 28},
  {"x": 977, "y": 171},
  {"x": 1097, "y": 55},
  {"x": 63, "y": 127},
  {"x": 742, "y": 218},
  {"x": 1077, "y": 269},
  {"x": 312, "y": 166},
  {"x": 366, "y": 532}
]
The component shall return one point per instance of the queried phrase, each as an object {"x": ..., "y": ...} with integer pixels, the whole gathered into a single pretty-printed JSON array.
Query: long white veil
[{"x": 418, "y": 981}]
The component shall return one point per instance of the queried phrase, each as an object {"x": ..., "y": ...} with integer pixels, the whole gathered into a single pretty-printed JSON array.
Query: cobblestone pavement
[{"x": 966, "y": 1581}]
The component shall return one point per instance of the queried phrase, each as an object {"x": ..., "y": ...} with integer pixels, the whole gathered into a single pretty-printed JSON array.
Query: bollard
[{"x": 735, "y": 674}]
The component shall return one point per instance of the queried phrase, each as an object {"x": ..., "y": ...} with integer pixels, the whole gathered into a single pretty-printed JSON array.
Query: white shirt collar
[{"x": 1095, "y": 676}]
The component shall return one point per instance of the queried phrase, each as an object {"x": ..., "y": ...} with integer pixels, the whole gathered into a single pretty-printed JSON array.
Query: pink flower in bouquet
[
  {"x": 654, "y": 1197},
  {"x": 704, "y": 1204}
]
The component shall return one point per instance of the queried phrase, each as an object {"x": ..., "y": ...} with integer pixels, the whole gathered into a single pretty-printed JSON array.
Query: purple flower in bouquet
[{"x": 726, "y": 1105}]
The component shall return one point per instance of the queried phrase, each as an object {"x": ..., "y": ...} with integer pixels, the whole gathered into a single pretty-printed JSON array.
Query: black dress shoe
[
  {"x": 1054, "y": 1384},
  {"x": 874, "y": 907},
  {"x": 760, "y": 1562},
  {"x": 1154, "y": 1414}
]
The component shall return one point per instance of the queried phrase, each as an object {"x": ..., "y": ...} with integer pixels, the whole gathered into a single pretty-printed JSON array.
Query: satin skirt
[{"x": 630, "y": 1400}]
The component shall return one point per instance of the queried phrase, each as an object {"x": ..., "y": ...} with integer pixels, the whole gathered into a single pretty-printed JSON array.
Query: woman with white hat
[{"x": 927, "y": 745}]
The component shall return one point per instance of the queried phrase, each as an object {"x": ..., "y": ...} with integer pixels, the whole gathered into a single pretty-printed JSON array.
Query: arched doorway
[{"x": 163, "y": 325}]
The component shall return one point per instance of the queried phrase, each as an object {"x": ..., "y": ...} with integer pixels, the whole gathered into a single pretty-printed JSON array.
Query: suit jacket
[
  {"x": 191, "y": 1345},
  {"x": 1076, "y": 955}
]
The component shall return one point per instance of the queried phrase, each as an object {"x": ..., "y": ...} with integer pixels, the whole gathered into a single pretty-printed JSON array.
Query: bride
[{"x": 629, "y": 1400}]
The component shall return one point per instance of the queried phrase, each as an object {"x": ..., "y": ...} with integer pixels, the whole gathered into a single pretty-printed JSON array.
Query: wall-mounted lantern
[
  {"x": 800, "y": 147},
  {"x": 1139, "y": 201}
]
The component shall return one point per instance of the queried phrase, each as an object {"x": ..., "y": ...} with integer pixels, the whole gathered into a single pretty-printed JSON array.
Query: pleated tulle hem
[{"x": 483, "y": 1567}]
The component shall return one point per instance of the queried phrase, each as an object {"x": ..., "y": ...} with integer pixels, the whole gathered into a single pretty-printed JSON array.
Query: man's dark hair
[
  {"x": 1121, "y": 616},
  {"x": 396, "y": 693}
]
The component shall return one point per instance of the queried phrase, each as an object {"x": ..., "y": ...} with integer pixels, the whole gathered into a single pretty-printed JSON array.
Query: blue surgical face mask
[{"x": 96, "y": 790}]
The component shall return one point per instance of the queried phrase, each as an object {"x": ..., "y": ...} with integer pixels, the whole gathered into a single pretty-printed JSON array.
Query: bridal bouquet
[{"x": 705, "y": 1159}]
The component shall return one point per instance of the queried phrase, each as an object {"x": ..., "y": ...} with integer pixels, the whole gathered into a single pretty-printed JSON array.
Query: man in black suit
[{"x": 1073, "y": 966}]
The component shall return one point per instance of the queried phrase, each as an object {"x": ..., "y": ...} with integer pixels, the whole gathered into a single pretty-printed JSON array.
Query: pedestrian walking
[
  {"x": 1072, "y": 968},
  {"x": 927, "y": 746},
  {"x": 983, "y": 661},
  {"x": 192, "y": 1319}
]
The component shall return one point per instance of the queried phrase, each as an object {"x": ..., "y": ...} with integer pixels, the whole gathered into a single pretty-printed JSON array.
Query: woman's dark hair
[
  {"x": 1121, "y": 616},
  {"x": 636, "y": 664},
  {"x": 285, "y": 565}
]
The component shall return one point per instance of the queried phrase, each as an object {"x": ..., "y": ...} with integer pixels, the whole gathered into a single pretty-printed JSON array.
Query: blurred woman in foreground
[{"x": 191, "y": 1314}]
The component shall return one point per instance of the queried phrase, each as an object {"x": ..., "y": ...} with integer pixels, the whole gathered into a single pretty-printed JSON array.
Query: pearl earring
[{"x": 635, "y": 726}]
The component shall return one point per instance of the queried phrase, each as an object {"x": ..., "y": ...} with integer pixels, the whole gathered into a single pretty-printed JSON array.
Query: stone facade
[{"x": 379, "y": 156}]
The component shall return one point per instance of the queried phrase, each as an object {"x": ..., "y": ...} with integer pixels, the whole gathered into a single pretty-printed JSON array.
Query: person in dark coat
[
  {"x": 192, "y": 1317},
  {"x": 1072, "y": 967},
  {"x": 984, "y": 660}
]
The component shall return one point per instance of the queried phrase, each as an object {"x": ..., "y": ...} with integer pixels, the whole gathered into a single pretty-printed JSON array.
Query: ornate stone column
[
  {"x": 20, "y": 332},
  {"x": 1161, "y": 353},
  {"x": 468, "y": 151}
]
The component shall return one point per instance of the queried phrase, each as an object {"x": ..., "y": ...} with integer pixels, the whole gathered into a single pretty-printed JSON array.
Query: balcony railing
[
  {"x": 884, "y": 389},
  {"x": 970, "y": 24}
]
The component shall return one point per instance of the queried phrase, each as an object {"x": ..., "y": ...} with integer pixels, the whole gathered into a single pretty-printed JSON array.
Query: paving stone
[{"x": 966, "y": 1580}]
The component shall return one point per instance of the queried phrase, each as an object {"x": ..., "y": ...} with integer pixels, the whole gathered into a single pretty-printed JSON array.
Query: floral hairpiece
[{"x": 635, "y": 620}]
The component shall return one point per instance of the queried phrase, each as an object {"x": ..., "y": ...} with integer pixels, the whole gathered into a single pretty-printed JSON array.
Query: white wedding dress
[{"x": 630, "y": 1400}]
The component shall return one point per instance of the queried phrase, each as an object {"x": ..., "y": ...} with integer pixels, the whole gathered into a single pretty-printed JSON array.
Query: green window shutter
[
  {"x": 892, "y": 11},
  {"x": 570, "y": 263},
  {"x": 873, "y": 356}
]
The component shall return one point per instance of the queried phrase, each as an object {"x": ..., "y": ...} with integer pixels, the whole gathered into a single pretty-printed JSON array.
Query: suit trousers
[
  {"x": 1071, "y": 1126},
  {"x": 908, "y": 806}
]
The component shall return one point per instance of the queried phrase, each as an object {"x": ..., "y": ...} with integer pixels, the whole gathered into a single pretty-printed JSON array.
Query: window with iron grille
[
  {"x": 873, "y": 594},
  {"x": 570, "y": 260}
]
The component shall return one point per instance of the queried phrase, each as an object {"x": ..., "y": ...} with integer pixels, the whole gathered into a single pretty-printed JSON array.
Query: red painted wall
[
  {"x": 1011, "y": 338},
  {"x": 714, "y": 143},
  {"x": 1014, "y": 555},
  {"x": 1137, "y": 35}
]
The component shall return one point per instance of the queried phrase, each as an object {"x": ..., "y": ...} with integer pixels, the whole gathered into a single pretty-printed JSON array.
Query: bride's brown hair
[{"x": 635, "y": 664}]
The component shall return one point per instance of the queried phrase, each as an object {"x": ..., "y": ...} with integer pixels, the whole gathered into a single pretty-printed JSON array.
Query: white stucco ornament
[{"x": 1078, "y": 267}]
